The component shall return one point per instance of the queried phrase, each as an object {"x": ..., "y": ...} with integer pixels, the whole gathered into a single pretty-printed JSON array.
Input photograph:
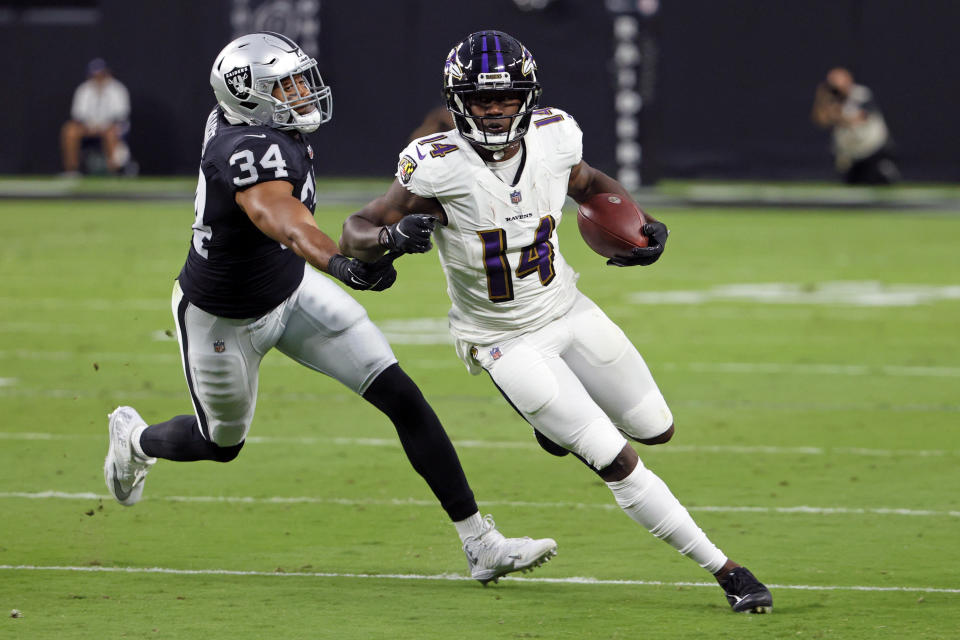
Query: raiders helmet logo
[
  {"x": 238, "y": 81},
  {"x": 405, "y": 169}
]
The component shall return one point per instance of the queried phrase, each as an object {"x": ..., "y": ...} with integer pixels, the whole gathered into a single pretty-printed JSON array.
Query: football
[{"x": 611, "y": 225}]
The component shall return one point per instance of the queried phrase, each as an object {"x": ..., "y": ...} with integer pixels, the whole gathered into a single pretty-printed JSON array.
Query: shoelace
[{"x": 488, "y": 526}]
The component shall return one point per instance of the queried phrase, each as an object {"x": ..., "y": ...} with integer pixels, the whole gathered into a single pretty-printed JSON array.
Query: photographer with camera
[{"x": 862, "y": 148}]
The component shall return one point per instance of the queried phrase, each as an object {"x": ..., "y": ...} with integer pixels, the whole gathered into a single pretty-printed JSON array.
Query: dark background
[{"x": 734, "y": 79}]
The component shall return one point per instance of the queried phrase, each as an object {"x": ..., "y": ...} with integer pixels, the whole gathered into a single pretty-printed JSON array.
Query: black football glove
[
  {"x": 410, "y": 235},
  {"x": 657, "y": 232},
  {"x": 364, "y": 276}
]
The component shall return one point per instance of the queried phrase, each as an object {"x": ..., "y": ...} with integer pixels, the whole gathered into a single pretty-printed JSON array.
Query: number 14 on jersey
[{"x": 536, "y": 257}]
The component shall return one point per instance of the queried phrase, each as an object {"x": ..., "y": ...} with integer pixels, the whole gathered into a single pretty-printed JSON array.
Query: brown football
[{"x": 611, "y": 225}]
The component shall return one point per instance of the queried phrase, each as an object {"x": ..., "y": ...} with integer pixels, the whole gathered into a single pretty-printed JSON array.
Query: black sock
[
  {"x": 425, "y": 442},
  {"x": 179, "y": 439}
]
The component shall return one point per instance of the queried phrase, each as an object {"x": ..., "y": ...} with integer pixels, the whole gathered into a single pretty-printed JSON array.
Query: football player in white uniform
[
  {"x": 491, "y": 193},
  {"x": 249, "y": 284}
]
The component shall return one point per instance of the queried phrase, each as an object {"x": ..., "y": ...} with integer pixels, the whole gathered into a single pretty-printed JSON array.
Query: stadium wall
[{"x": 733, "y": 80}]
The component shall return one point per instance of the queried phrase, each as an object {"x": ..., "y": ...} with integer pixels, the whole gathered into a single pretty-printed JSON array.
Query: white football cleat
[
  {"x": 490, "y": 555},
  {"x": 123, "y": 470}
]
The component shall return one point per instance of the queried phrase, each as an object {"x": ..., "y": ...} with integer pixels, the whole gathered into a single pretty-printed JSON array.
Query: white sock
[
  {"x": 647, "y": 499},
  {"x": 135, "y": 442},
  {"x": 469, "y": 528}
]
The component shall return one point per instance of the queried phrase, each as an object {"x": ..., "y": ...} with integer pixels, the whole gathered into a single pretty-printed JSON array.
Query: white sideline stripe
[
  {"x": 803, "y": 509},
  {"x": 514, "y": 444},
  {"x": 697, "y": 367},
  {"x": 578, "y": 580}
]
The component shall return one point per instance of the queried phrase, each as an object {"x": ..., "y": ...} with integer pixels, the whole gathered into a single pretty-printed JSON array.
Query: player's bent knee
[
  {"x": 228, "y": 434},
  {"x": 660, "y": 439},
  {"x": 621, "y": 466},
  {"x": 225, "y": 454},
  {"x": 650, "y": 421},
  {"x": 597, "y": 443}
]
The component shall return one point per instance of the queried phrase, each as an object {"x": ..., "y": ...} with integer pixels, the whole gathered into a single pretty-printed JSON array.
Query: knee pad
[
  {"x": 598, "y": 444},
  {"x": 648, "y": 418}
]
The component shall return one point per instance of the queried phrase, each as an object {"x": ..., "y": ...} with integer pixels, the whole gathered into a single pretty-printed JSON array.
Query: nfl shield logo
[
  {"x": 219, "y": 346},
  {"x": 495, "y": 353},
  {"x": 515, "y": 197}
]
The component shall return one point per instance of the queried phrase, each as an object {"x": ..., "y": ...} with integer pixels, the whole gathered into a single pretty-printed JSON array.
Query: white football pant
[
  {"x": 580, "y": 382},
  {"x": 319, "y": 325}
]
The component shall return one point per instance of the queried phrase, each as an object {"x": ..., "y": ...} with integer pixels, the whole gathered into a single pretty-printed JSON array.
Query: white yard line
[
  {"x": 748, "y": 368},
  {"x": 870, "y": 294},
  {"x": 812, "y": 369},
  {"x": 529, "y": 444},
  {"x": 577, "y": 580},
  {"x": 122, "y": 396},
  {"x": 412, "y": 502}
]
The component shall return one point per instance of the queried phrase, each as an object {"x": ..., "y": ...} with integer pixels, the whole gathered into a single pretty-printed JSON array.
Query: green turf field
[{"x": 811, "y": 359}]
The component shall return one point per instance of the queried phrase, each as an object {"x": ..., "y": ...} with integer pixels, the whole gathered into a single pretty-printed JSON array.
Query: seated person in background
[
  {"x": 101, "y": 108},
  {"x": 862, "y": 148}
]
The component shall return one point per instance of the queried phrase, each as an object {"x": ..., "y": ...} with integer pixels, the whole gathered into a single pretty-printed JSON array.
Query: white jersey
[{"x": 498, "y": 246}]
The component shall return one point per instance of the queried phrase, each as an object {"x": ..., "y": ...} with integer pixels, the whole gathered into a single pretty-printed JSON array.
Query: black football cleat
[{"x": 745, "y": 593}]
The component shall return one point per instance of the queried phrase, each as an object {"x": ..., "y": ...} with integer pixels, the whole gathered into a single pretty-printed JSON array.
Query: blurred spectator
[
  {"x": 100, "y": 113},
  {"x": 437, "y": 119},
  {"x": 862, "y": 148}
]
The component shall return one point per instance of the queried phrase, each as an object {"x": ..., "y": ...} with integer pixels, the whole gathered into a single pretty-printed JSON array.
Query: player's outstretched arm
[
  {"x": 397, "y": 221},
  {"x": 272, "y": 207},
  {"x": 274, "y": 210}
]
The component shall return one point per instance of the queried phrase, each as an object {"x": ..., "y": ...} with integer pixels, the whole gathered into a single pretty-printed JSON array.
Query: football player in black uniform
[{"x": 250, "y": 283}]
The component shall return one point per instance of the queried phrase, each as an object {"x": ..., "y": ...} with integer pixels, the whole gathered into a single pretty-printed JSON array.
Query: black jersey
[{"x": 233, "y": 269}]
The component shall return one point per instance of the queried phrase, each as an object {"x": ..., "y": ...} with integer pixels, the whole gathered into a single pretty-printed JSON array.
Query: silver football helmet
[{"x": 266, "y": 79}]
